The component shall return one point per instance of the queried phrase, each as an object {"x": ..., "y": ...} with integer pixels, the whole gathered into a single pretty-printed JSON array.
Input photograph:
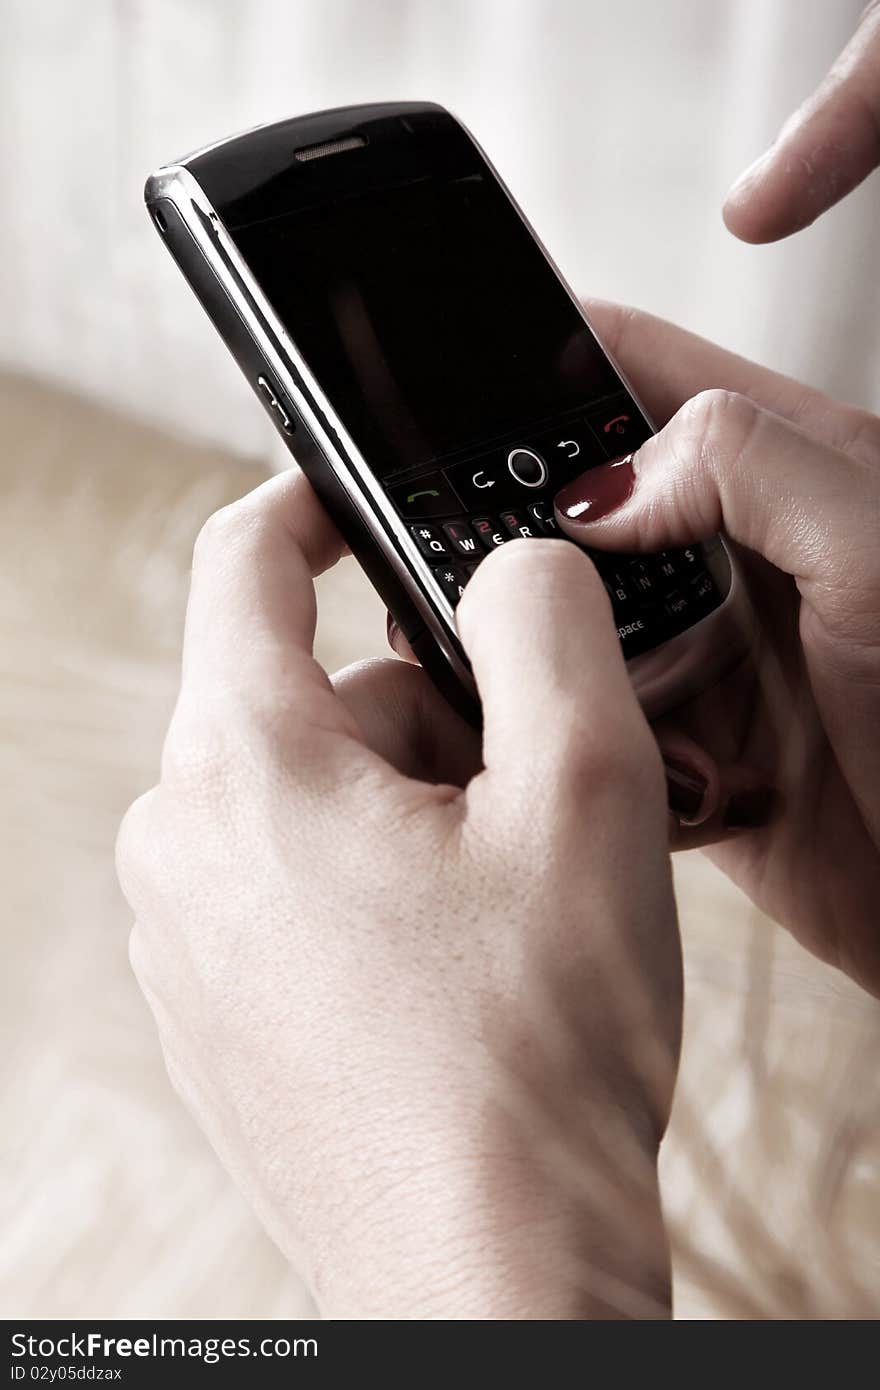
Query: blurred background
[{"x": 125, "y": 424}]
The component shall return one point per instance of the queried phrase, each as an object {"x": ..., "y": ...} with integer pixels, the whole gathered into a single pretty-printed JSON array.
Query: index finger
[
  {"x": 825, "y": 149},
  {"x": 668, "y": 365},
  {"x": 250, "y": 620}
]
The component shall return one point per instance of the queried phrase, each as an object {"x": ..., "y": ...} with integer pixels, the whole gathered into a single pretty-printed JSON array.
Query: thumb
[
  {"x": 559, "y": 712},
  {"x": 725, "y": 463}
]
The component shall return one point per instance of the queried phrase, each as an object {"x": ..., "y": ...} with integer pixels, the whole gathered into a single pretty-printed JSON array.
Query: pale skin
[
  {"x": 422, "y": 995},
  {"x": 336, "y": 932},
  {"x": 793, "y": 479}
]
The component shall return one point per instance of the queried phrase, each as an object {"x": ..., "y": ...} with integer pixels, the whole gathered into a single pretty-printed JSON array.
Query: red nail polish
[{"x": 598, "y": 491}]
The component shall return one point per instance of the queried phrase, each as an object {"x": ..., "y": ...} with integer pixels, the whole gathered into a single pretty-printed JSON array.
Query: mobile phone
[{"x": 429, "y": 369}]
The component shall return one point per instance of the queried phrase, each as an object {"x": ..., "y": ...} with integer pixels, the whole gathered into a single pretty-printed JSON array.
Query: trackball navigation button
[{"x": 527, "y": 467}]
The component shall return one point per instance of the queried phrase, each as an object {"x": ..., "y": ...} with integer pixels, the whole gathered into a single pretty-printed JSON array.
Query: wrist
[{"x": 483, "y": 1235}]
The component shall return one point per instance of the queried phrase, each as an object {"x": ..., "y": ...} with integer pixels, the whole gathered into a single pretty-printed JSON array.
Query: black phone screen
[{"x": 427, "y": 312}]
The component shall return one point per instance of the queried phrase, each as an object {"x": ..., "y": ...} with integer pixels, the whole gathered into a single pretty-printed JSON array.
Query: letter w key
[{"x": 460, "y": 537}]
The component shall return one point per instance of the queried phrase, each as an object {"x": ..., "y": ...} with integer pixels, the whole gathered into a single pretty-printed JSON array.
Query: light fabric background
[
  {"x": 124, "y": 424},
  {"x": 617, "y": 126}
]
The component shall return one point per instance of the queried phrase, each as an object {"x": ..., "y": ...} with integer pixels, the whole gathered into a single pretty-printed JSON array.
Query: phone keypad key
[
  {"x": 452, "y": 580},
  {"x": 430, "y": 542},
  {"x": 425, "y": 498},
  {"x": 619, "y": 426},
  {"x": 702, "y": 586},
  {"x": 543, "y": 517},
  {"x": 489, "y": 531},
  {"x": 667, "y": 566},
  {"x": 519, "y": 525},
  {"x": 687, "y": 560},
  {"x": 618, "y": 590},
  {"x": 676, "y": 604},
  {"x": 461, "y": 539},
  {"x": 634, "y": 634},
  {"x": 568, "y": 452},
  {"x": 484, "y": 482},
  {"x": 641, "y": 579}
]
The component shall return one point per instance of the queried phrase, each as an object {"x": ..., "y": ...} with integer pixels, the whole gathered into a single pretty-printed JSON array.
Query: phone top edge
[
  {"x": 333, "y": 118},
  {"x": 247, "y": 173}
]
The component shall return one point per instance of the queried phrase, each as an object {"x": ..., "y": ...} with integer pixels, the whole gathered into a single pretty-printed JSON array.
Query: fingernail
[
  {"x": 392, "y": 630},
  {"x": 685, "y": 791},
  {"x": 598, "y": 491},
  {"x": 751, "y": 809}
]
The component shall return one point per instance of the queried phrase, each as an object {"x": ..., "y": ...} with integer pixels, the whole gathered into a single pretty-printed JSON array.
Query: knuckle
[
  {"x": 221, "y": 532},
  {"x": 139, "y": 955},
  {"x": 862, "y": 437},
  {"x": 722, "y": 421},
  {"x": 609, "y": 795},
  {"x": 201, "y": 748},
  {"x": 842, "y": 622},
  {"x": 136, "y": 851},
  {"x": 214, "y": 533},
  {"x": 590, "y": 769},
  {"x": 722, "y": 425},
  {"x": 160, "y": 971},
  {"x": 618, "y": 758}
]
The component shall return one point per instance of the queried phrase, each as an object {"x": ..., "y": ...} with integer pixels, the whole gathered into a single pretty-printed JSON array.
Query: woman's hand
[
  {"x": 426, "y": 1011},
  {"x": 794, "y": 479},
  {"x": 823, "y": 151}
]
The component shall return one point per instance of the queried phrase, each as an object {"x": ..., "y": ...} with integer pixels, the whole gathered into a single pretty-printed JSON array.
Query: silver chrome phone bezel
[
  {"x": 662, "y": 677},
  {"x": 176, "y": 184}
]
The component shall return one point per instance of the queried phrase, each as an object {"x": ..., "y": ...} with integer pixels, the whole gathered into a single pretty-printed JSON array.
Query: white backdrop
[{"x": 617, "y": 126}]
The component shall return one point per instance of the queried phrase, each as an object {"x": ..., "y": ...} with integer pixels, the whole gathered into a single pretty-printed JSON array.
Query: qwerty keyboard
[{"x": 459, "y": 514}]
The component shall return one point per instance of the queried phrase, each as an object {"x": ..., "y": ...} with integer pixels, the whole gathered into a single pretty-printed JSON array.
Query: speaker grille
[{"x": 354, "y": 142}]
